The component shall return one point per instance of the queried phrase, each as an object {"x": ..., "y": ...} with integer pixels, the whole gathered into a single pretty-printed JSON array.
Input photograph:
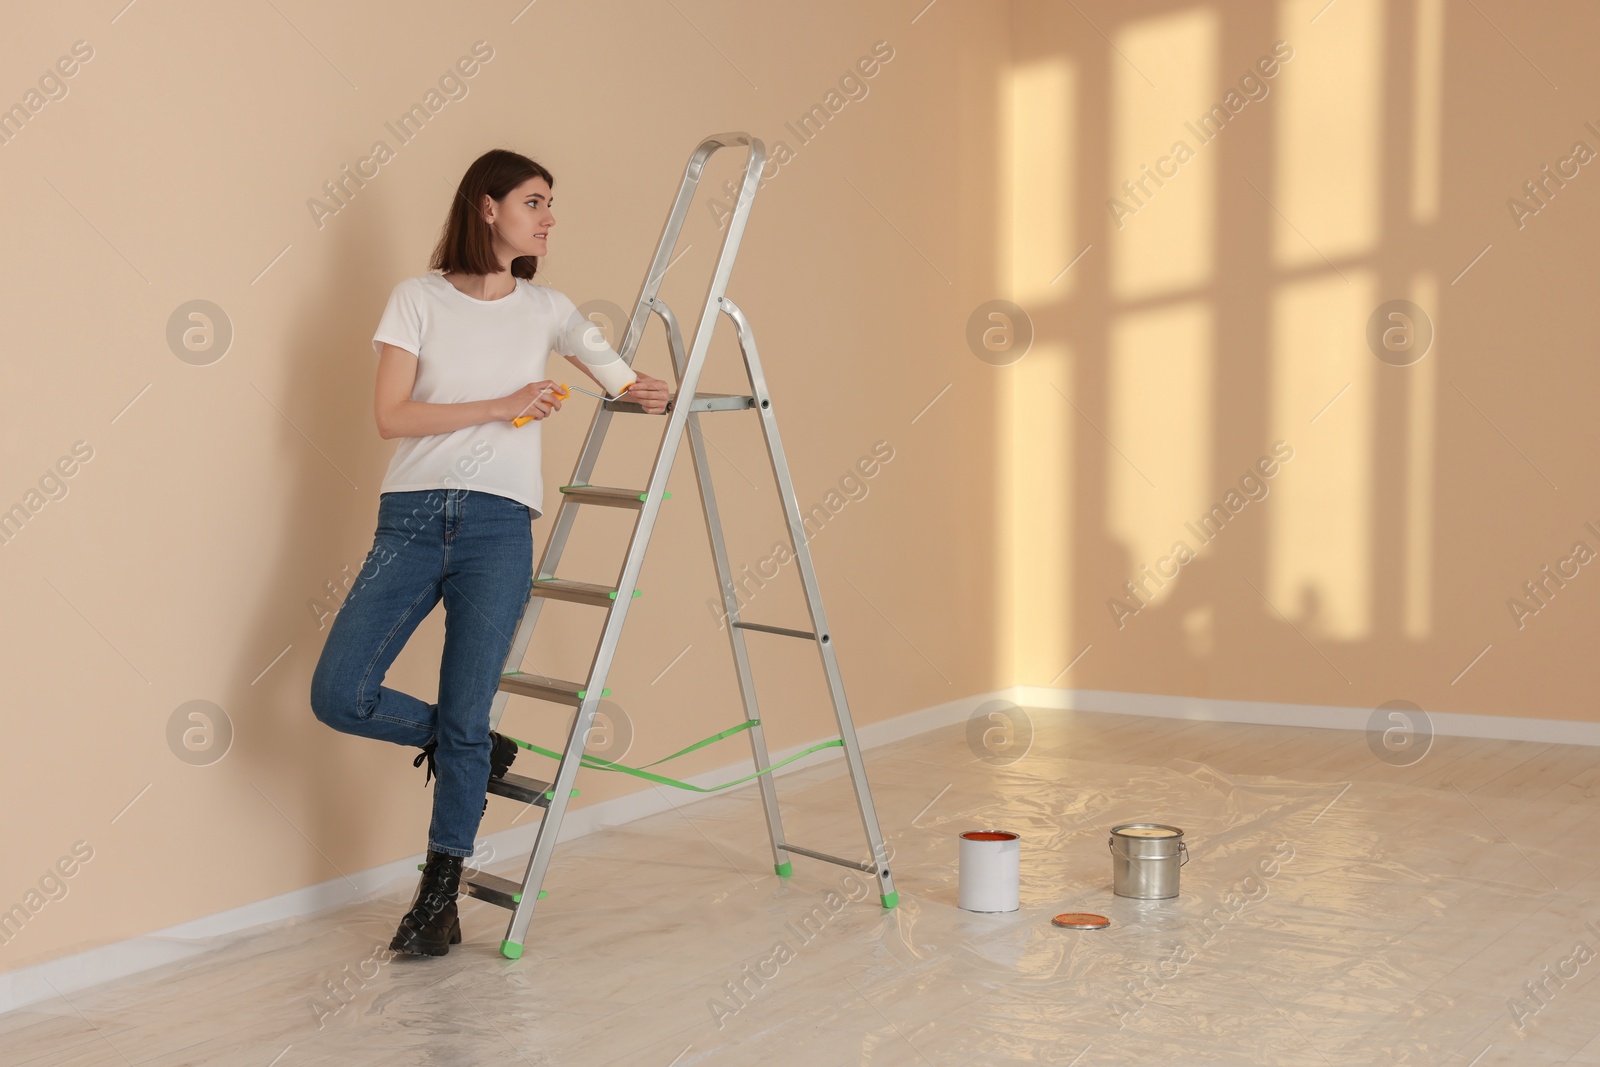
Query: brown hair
[{"x": 466, "y": 245}]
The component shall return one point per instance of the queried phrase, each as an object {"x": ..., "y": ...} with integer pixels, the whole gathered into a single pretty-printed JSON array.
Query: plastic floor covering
[{"x": 1336, "y": 910}]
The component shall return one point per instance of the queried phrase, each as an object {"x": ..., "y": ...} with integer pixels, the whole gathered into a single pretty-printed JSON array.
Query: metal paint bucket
[{"x": 1145, "y": 857}]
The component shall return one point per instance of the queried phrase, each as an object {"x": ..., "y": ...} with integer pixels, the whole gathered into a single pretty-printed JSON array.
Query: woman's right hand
[{"x": 536, "y": 399}]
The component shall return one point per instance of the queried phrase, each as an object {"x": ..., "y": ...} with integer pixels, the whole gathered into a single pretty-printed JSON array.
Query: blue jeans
[{"x": 474, "y": 550}]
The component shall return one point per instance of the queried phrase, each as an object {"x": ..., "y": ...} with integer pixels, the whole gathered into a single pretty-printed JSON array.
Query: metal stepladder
[{"x": 585, "y": 696}]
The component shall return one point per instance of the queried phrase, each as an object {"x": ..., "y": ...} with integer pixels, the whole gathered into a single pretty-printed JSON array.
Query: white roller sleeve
[{"x": 588, "y": 343}]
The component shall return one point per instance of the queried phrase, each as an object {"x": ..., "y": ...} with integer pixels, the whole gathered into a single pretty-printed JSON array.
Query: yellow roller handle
[
  {"x": 523, "y": 420},
  {"x": 566, "y": 393}
]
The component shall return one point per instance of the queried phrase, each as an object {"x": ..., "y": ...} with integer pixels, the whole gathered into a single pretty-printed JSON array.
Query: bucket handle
[{"x": 1183, "y": 849}]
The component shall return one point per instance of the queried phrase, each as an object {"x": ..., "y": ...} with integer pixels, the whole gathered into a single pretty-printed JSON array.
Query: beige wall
[
  {"x": 1222, "y": 316},
  {"x": 1229, "y": 309},
  {"x": 181, "y": 560}
]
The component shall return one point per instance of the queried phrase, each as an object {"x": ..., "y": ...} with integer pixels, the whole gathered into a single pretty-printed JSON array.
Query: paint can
[
  {"x": 990, "y": 862},
  {"x": 1145, "y": 858}
]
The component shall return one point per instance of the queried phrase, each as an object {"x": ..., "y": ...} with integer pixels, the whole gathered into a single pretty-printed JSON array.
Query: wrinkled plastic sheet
[{"x": 1318, "y": 923}]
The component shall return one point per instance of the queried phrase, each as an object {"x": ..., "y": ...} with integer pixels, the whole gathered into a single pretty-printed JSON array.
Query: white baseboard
[
  {"x": 1322, "y": 716},
  {"x": 68, "y": 974}
]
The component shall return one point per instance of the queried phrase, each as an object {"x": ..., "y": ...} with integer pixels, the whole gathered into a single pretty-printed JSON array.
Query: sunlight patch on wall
[
  {"x": 1421, "y": 382},
  {"x": 1320, "y": 540},
  {"x": 1160, "y": 425},
  {"x": 1327, "y": 124},
  {"x": 1040, "y": 138},
  {"x": 1040, "y": 538},
  {"x": 1427, "y": 113},
  {"x": 1162, "y": 200}
]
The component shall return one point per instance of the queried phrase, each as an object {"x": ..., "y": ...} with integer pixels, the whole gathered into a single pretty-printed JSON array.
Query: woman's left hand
[{"x": 650, "y": 393}]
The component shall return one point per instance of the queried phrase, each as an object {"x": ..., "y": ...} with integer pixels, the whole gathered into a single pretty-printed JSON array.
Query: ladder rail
[
  {"x": 555, "y": 547},
  {"x": 730, "y": 605},
  {"x": 673, "y": 227},
  {"x": 549, "y": 827},
  {"x": 566, "y": 513},
  {"x": 830, "y": 664}
]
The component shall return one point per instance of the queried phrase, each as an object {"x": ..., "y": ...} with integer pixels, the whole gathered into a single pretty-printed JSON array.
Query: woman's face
[{"x": 523, "y": 219}]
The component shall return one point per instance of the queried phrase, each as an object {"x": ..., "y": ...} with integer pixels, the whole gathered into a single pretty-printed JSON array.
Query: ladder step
[
  {"x": 600, "y": 596},
  {"x": 540, "y": 687},
  {"x": 608, "y": 496},
  {"x": 722, "y": 402},
  {"x": 491, "y": 887},
  {"x": 869, "y": 868},
  {"x": 701, "y": 402},
  {"x": 528, "y": 790},
  {"x": 782, "y": 630}
]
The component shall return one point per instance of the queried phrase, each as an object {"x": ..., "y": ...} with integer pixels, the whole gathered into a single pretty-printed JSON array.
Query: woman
[{"x": 456, "y": 352}]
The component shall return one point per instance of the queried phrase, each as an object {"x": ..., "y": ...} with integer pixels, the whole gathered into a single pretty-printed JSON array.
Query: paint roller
[{"x": 585, "y": 340}]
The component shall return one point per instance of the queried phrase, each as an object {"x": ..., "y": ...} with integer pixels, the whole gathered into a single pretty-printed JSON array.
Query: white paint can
[{"x": 990, "y": 871}]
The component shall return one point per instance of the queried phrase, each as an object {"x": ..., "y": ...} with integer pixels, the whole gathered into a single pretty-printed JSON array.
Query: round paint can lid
[
  {"x": 1146, "y": 829},
  {"x": 1081, "y": 920}
]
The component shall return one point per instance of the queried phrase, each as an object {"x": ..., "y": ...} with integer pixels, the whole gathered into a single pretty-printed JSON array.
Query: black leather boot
[
  {"x": 501, "y": 755},
  {"x": 432, "y": 926},
  {"x": 502, "y": 752}
]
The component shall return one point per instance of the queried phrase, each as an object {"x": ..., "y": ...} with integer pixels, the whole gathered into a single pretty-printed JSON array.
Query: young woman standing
[{"x": 461, "y": 353}]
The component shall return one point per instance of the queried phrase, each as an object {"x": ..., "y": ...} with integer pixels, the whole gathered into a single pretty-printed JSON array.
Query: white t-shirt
[{"x": 469, "y": 349}]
